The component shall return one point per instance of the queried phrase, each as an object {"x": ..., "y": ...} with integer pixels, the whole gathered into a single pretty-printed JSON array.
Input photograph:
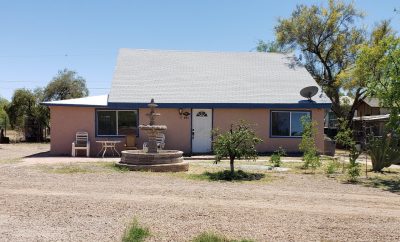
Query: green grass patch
[
  {"x": 135, "y": 232},
  {"x": 114, "y": 167},
  {"x": 84, "y": 167},
  {"x": 10, "y": 161},
  {"x": 213, "y": 237},
  {"x": 65, "y": 169}
]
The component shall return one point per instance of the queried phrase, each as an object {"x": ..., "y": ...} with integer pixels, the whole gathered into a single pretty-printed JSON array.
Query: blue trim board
[{"x": 223, "y": 105}]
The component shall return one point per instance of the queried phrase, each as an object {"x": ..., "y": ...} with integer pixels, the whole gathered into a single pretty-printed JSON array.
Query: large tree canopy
[
  {"x": 66, "y": 85},
  {"x": 26, "y": 103},
  {"x": 328, "y": 39},
  {"x": 379, "y": 65}
]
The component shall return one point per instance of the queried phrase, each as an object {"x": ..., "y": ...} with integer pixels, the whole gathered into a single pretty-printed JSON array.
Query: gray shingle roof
[
  {"x": 372, "y": 102},
  {"x": 208, "y": 77}
]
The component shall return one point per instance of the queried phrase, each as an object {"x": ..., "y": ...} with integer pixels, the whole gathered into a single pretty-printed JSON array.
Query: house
[
  {"x": 370, "y": 107},
  {"x": 196, "y": 93},
  {"x": 370, "y": 118}
]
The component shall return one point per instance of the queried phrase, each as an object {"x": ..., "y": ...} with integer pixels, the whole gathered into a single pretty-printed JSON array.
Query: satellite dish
[{"x": 309, "y": 92}]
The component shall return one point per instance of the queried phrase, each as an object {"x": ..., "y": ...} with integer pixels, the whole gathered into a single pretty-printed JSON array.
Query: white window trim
[
  {"x": 290, "y": 123},
  {"x": 116, "y": 117}
]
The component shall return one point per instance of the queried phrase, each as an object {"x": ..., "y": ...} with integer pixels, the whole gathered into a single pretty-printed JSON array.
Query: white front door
[{"x": 201, "y": 130}]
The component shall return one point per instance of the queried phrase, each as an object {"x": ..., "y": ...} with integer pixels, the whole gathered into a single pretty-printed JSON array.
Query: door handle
[{"x": 192, "y": 133}]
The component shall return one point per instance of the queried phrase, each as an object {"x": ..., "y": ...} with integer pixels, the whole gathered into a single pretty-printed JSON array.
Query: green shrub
[
  {"x": 384, "y": 151},
  {"x": 276, "y": 157},
  {"x": 311, "y": 160},
  {"x": 135, "y": 233},
  {"x": 332, "y": 166},
  {"x": 236, "y": 176},
  {"x": 307, "y": 144},
  {"x": 210, "y": 237},
  {"x": 353, "y": 172},
  {"x": 345, "y": 138},
  {"x": 354, "y": 169}
]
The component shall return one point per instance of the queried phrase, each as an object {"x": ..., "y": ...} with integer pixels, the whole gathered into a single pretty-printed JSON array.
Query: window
[
  {"x": 201, "y": 114},
  {"x": 287, "y": 123},
  {"x": 116, "y": 122}
]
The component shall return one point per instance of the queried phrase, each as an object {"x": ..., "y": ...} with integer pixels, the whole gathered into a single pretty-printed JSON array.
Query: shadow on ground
[
  {"x": 388, "y": 185},
  {"x": 388, "y": 181},
  {"x": 236, "y": 176},
  {"x": 40, "y": 154}
]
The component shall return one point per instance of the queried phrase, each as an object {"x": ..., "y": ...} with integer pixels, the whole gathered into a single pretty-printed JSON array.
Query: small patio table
[{"x": 107, "y": 144}]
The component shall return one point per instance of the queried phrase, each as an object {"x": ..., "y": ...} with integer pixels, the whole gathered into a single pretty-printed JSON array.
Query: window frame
[
  {"x": 290, "y": 122},
  {"x": 116, "y": 119}
]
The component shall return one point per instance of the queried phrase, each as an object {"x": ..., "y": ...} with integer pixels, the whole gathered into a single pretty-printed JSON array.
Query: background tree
[
  {"x": 23, "y": 104},
  {"x": 240, "y": 142},
  {"x": 3, "y": 114},
  {"x": 66, "y": 85},
  {"x": 270, "y": 46},
  {"x": 328, "y": 40}
]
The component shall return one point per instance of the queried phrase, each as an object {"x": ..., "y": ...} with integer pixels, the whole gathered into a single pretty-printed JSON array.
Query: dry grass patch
[{"x": 88, "y": 167}]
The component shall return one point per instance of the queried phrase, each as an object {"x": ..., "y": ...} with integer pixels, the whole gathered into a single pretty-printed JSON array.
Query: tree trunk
[{"x": 232, "y": 160}]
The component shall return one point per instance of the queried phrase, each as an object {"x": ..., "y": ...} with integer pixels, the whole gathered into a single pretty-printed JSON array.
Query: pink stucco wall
[
  {"x": 178, "y": 134},
  {"x": 66, "y": 121},
  {"x": 223, "y": 118}
]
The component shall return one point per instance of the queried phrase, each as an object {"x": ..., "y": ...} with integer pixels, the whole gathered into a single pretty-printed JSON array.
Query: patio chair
[
  {"x": 130, "y": 142},
  {"x": 81, "y": 143},
  {"x": 160, "y": 142}
]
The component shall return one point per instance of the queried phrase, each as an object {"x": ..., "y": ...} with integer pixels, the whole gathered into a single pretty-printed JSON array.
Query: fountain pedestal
[{"x": 153, "y": 159}]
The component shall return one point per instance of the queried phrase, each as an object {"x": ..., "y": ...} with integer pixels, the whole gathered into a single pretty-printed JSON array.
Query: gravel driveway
[{"x": 40, "y": 206}]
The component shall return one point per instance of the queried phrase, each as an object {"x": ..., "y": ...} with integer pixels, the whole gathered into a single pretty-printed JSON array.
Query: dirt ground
[{"x": 40, "y": 206}]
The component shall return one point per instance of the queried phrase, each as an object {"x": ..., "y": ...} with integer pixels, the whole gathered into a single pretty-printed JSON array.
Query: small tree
[
  {"x": 354, "y": 169},
  {"x": 345, "y": 138},
  {"x": 240, "y": 142},
  {"x": 307, "y": 145}
]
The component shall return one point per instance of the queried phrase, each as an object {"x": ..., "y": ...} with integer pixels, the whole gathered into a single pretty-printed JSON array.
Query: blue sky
[{"x": 40, "y": 37}]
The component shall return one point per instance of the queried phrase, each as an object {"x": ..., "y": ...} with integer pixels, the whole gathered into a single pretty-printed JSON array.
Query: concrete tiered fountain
[{"x": 153, "y": 159}]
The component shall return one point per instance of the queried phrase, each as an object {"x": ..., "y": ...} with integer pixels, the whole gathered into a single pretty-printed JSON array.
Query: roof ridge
[{"x": 206, "y": 51}]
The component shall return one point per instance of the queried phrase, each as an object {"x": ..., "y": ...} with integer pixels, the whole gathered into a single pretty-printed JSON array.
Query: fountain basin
[{"x": 163, "y": 161}]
